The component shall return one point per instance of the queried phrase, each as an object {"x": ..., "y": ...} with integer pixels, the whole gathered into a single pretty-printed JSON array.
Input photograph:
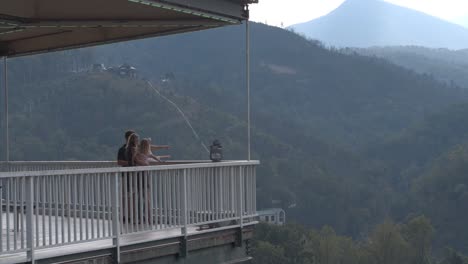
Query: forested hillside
[
  {"x": 350, "y": 100},
  {"x": 450, "y": 66},
  {"x": 388, "y": 243},
  {"x": 344, "y": 140}
]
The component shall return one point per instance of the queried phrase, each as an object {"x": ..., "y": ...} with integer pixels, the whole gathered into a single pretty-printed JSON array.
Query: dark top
[
  {"x": 130, "y": 154},
  {"x": 122, "y": 153}
]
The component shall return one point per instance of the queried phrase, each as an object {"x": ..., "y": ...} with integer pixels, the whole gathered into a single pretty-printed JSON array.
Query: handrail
[{"x": 126, "y": 169}]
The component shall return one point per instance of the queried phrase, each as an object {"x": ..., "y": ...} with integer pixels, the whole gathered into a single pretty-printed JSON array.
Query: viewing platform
[{"x": 75, "y": 212}]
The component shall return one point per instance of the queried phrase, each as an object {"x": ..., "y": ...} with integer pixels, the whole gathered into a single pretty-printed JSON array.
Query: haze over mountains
[
  {"x": 463, "y": 21},
  {"x": 366, "y": 23}
]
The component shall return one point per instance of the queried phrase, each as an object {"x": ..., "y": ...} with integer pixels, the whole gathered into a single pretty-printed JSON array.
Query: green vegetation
[
  {"x": 387, "y": 243},
  {"x": 450, "y": 66}
]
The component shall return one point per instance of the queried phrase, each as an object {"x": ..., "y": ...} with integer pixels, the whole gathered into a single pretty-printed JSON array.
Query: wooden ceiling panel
[{"x": 34, "y": 26}]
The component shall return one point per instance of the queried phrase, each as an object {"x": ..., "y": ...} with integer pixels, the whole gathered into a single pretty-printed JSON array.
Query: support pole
[
  {"x": 247, "y": 37},
  {"x": 5, "y": 86}
]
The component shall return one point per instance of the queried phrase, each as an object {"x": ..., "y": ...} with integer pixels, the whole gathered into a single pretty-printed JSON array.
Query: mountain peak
[{"x": 366, "y": 23}]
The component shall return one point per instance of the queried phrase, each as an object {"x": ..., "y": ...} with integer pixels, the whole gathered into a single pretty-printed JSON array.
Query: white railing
[
  {"x": 71, "y": 165},
  {"x": 43, "y": 209},
  {"x": 53, "y": 165}
]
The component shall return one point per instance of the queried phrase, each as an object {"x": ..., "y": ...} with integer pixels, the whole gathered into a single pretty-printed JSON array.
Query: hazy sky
[{"x": 289, "y": 12}]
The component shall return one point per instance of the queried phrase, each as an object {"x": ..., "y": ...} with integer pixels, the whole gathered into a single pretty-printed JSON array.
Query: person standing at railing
[
  {"x": 146, "y": 154},
  {"x": 122, "y": 155}
]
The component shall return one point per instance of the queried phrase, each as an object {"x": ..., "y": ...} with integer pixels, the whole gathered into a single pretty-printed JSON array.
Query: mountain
[
  {"x": 348, "y": 100},
  {"x": 450, "y": 66},
  {"x": 366, "y": 23}
]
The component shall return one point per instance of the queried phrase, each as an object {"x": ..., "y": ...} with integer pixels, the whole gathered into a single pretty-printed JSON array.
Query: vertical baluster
[
  {"x": 174, "y": 197},
  {"x": 241, "y": 196},
  {"x": 132, "y": 196},
  {"x": 126, "y": 199},
  {"x": 151, "y": 199},
  {"x": 15, "y": 213},
  {"x": 146, "y": 212},
  {"x": 56, "y": 205},
  {"x": 81, "y": 194},
  {"x": 8, "y": 204},
  {"x": 183, "y": 195},
  {"x": 169, "y": 196},
  {"x": 75, "y": 204},
  {"x": 116, "y": 198},
  {"x": 98, "y": 204},
  {"x": 199, "y": 197},
  {"x": 164, "y": 202},
  {"x": 68, "y": 189},
  {"x": 160, "y": 196},
  {"x": 249, "y": 188},
  {"x": 218, "y": 192},
  {"x": 103, "y": 194},
  {"x": 62, "y": 197},
  {"x": 50, "y": 192},
  {"x": 214, "y": 215},
  {"x": 222, "y": 192},
  {"x": 136, "y": 204},
  {"x": 188, "y": 173},
  {"x": 2, "y": 185},
  {"x": 233, "y": 197},
  {"x": 22, "y": 212},
  {"x": 86, "y": 188},
  {"x": 36, "y": 199},
  {"x": 69, "y": 204},
  {"x": 219, "y": 188},
  {"x": 179, "y": 197},
  {"x": 109, "y": 202},
  {"x": 254, "y": 182},
  {"x": 27, "y": 189},
  {"x": 201, "y": 214},
  {"x": 141, "y": 200},
  {"x": 212, "y": 190},
  {"x": 92, "y": 203}
]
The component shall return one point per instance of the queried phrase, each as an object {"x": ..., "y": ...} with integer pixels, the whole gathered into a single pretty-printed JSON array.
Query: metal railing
[
  {"x": 71, "y": 165},
  {"x": 43, "y": 209},
  {"x": 53, "y": 165}
]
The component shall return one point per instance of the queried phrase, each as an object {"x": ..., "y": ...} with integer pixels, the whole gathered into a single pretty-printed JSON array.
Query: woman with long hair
[
  {"x": 133, "y": 150},
  {"x": 145, "y": 153}
]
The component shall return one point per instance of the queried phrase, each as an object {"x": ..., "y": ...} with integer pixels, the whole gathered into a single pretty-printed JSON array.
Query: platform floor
[{"x": 9, "y": 235}]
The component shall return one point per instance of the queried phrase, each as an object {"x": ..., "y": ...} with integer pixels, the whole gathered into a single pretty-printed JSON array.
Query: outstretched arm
[{"x": 156, "y": 147}]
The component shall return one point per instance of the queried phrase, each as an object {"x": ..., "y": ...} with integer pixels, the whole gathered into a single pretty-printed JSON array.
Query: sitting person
[{"x": 145, "y": 154}]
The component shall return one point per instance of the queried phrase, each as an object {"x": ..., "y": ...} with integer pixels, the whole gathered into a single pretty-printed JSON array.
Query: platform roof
[{"x": 36, "y": 26}]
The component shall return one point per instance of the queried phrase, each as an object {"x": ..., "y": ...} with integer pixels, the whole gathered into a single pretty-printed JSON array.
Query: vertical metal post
[
  {"x": 115, "y": 191},
  {"x": 5, "y": 86},
  {"x": 240, "y": 205},
  {"x": 184, "y": 248},
  {"x": 29, "y": 219},
  {"x": 247, "y": 38},
  {"x": 240, "y": 185}
]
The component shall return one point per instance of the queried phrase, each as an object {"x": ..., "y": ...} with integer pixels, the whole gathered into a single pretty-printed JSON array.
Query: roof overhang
[{"x": 35, "y": 26}]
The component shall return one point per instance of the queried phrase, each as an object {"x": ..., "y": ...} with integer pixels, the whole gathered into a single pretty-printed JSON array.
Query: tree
[
  {"x": 419, "y": 232},
  {"x": 386, "y": 245}
]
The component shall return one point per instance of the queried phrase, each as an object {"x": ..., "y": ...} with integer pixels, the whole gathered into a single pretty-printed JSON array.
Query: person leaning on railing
[
  {"x": 124, "y": 160},
  {"x": 145, "y": 154}
]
